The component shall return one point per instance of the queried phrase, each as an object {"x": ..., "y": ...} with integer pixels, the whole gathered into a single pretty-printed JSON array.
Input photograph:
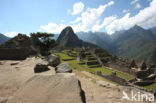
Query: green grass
[
  {"x": 74, "y": 64},
  {"x": 152, "y": 86}
]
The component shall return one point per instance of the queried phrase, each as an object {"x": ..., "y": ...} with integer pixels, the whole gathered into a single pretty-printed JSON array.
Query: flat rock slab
[
  {"x": 59, "y": 88},
  {"x": 63, "y": 68}
]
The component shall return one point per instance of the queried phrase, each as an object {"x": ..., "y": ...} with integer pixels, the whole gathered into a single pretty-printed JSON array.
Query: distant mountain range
[
  {"x": 3, "y": 38},
  {"x": 68, "y": 38},
  {"x": 153, "y": 30},
  {"x": 135, "y": 43}
]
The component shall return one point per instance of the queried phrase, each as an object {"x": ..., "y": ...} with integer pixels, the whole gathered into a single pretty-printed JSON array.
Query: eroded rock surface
[
  {"x": 59, "y": 88},
  {"x": 63, "y": 68}
]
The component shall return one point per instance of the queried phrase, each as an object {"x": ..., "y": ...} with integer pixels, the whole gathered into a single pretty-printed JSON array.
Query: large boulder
[
  {"x": 59, "y": 88},
  {"x": 41, "y": 66},
  {"x": 53, "y": 60},
  {"x": 63, "y": 68}
]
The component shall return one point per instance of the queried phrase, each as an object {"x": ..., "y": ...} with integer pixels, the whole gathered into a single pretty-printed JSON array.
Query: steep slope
[
  {"x": 135, "y": 43},
  {"x": 3, "y": 38},
  {"x": 68, "y": 38},
  {"x": 152, "y": 57},
  {"x": 101, "y": 39},
  {"x": 153, "y": 30}
]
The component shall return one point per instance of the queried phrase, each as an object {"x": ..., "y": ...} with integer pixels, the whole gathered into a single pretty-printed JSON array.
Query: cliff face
[{"x": 68, "y": 38}]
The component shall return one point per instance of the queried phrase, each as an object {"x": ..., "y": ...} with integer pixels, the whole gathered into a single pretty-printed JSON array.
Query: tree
[{"x": 43, "y": 42}]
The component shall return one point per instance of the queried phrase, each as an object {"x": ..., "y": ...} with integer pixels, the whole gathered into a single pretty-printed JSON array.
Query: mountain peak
[
  {"x": 68, "y": 38},
  {"x": 136, "y": 27},
  {"x": 68, "y": 31}
]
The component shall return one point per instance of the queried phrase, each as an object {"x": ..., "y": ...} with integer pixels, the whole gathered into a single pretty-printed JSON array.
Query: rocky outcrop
[
  {"x": 41, "y": 66},
  {"x": 17, "y": 48},
  {"x": 59, "y": 88},
  {"x": 63, "y": 68},
  {"x": 53, "y": 60}
]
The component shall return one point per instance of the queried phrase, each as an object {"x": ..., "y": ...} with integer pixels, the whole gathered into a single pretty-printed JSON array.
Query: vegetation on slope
[{"x": 75, "y": 65}]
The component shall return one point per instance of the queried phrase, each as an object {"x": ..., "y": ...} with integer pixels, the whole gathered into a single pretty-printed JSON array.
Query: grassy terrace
[
  {"x": 74, "y": 64},
  {"x": 153, "y": 87}
]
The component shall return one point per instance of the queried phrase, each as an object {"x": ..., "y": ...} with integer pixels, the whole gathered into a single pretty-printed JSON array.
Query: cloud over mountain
[{"x": 91, "y": 19}]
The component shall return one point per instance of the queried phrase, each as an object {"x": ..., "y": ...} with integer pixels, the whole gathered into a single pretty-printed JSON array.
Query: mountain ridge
[
  {"x": 134, "y": 43},
  {"x": 3, "y": 38}
]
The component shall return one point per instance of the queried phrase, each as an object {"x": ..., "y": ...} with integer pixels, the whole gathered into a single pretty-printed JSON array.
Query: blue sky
[{"x": 26, "y": 16}]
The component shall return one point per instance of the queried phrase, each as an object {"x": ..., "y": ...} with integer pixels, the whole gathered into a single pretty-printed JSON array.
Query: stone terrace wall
[
  {"x": 122, "y": 68},
  {"x": 114, "y": 78},
  {"x": 15, "y": 53}
]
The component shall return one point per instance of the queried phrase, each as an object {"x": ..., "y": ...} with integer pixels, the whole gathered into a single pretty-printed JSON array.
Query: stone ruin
[
  {"x": 133, "y": 64},
  {"x": 17, "y": 48},
  {"x": 143, "y": 66},
  {"x": 113, "y": 77}
]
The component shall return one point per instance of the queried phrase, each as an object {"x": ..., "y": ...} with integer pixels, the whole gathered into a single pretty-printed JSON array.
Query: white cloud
[
  {"x": 125, "y": 11},
  {"x": 88, "y": 21},
  {"x": 76, "y": 21},
  {"x": 53, "y": 27},
  {"x": 111, "y": 3},
  {"x": 90, "y": 18},
  {"x": 137, "y": 6},
  {"x": 11, "y": 34},
  {"x": 78, "y": 8},
  {"x": 145, "y": 18},
  {"x": 134, "y": 1}
]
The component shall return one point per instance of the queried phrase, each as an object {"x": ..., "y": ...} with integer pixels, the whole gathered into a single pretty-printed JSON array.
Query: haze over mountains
[{"x": 135, "y": 43}]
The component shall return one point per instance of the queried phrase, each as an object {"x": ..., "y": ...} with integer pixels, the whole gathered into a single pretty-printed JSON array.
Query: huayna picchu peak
[{"x": 68, "y": 38}]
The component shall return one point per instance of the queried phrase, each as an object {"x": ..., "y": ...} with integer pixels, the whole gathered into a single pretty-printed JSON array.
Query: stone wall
[
  {"x": 144, "y": 73},
  {"x": 92, "y": 63},
  {"x": 143, "y": 83},
  {"x": 114, "y": 78},
  {"x": 15, "y": 53},
  {"x": 122, "y": 68}
]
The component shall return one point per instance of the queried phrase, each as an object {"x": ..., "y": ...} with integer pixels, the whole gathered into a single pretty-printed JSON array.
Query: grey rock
[
  {"x": 53, "y": 60},
  {"x": 59, "y": 88},
  {"x": 41, "y": 66},
  {"x": 63, "y": 68}
]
